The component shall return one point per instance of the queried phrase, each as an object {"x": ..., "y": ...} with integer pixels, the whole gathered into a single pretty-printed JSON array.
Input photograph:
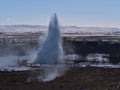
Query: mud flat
[{"x": 85, "y": 78}]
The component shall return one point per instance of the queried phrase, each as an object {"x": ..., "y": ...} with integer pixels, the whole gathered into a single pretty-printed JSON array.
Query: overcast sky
[{"x": 102, "y": 13}]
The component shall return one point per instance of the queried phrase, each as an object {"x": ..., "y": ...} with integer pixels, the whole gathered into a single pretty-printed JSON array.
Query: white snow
[
  {"x": 14, "y": 68},
  {"x": 105, "y": 65},
  {"x": 64, "y": 29}
]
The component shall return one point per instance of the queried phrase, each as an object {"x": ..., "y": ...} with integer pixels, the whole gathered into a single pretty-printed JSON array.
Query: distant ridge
[{"x": 64, "y": 29}]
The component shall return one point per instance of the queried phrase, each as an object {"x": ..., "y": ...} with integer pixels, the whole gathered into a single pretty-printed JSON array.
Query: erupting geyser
[{"x": 51, "y": 51}]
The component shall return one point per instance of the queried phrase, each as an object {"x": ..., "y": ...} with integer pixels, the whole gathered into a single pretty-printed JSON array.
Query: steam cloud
[{"x": 51, "y": 53}]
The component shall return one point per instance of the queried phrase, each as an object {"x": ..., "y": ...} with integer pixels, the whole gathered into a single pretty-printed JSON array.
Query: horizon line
[{"x": 60, "y": 25}]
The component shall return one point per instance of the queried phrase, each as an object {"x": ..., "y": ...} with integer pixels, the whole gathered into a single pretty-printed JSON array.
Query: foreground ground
[{"x": 87, "y": 78}]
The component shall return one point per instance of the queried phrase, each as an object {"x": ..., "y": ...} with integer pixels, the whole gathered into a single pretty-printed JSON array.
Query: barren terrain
[{"x": 87, "y": 78}]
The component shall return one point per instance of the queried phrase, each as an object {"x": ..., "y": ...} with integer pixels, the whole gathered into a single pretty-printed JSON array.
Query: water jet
[{"x": 51, "y": 51}]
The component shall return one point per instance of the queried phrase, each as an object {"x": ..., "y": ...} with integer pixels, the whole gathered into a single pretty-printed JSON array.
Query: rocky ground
[{"x": 88, "y": 78}]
